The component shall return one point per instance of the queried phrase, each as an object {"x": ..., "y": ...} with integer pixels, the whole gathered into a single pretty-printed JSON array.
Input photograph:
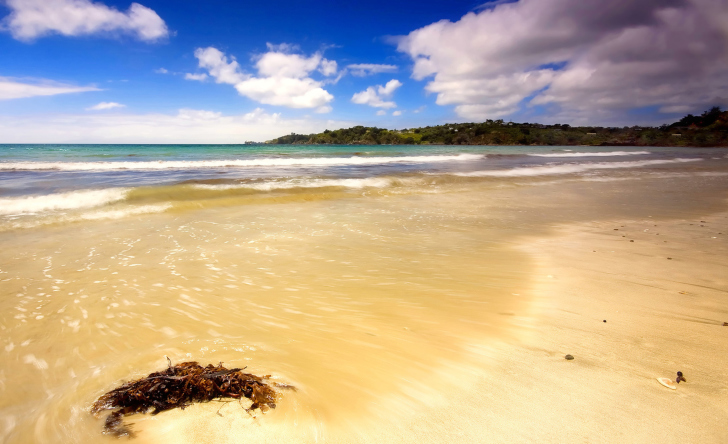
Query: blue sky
[{"x": 228, "y": 71}]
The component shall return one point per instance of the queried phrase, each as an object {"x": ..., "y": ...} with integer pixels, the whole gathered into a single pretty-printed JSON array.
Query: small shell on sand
[{"x": 667, "y": 382}]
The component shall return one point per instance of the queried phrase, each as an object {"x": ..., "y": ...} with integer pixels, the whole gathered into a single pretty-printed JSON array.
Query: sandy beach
[
  {"x": 502, "y": 221},
  {"x": 407, "y": 308},
  {"x": 660, "y": 284}
]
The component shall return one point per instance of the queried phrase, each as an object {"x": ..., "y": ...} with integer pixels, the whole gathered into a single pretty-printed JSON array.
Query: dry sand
[{"x": 663, "y": 316}]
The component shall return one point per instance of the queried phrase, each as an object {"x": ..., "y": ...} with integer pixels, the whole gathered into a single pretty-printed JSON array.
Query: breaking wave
[
  {"x": 370, "y": 182},
  {"x": 61, "y": 201},
  {"x": 233, "y": 163},
  {"x": 602, "y": 154},
  {"x": 570, "y": 168}
]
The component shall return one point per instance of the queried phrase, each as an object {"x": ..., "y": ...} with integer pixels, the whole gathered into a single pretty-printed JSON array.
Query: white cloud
[
  {"x": 199, "y": 77},
  {"x": 282, "y": 47},
  {"x": 328, "y": 67},
  {"x": 397, "y": 113},
  {"x": 197, "y": 114},
  {"x": 388, "y": 89},
  {"x": 285, "y": 91},
  {"x": 381, "y": 112},
  {"x": 283, "y": 79},
  {"x": 219, "y": 67},
  {"x": 104, "y": 106},
  {"x": 161, "y": 71},
  {"x": 375, "y": 95},
  {"x": 30, "y": 19},
  {"x": 365, "y": 69},
  {"x": 587, "y": 58},
  {"x": 186, "y": 126},
  {"x": 15, "y": 89}
]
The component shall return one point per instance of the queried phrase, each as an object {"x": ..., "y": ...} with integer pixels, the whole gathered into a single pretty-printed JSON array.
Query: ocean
[
  {"x": 42, "y": 184},
  {"x": 368, "y": 277}
]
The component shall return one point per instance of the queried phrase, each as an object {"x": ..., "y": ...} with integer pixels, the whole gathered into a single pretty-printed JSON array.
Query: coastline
[
  {"x": 404, "y": 306},
  {"x": 662, "y": 316}
]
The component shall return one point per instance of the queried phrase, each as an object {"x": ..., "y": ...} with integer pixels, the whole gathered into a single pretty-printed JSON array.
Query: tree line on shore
[{"x": 709, "y": 129}]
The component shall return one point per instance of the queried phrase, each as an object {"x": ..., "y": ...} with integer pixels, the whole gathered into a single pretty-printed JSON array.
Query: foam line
[
  {"x": 601, "y": 154},
  {"x": 570, "y": 168},
  {"x": 266, "y": 162},
  {"x": 61, "y": 201}
]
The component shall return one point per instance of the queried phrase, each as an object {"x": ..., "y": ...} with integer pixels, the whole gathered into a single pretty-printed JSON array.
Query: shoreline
[
  {"x": 660, "y": 320},
  {"x": 658, "y": 323},
  {"x": 422, "y": 316}
]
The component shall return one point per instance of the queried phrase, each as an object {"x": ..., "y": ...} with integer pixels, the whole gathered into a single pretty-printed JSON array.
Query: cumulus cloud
[
  {"x": 222, "y": 69},
  {"x": 30, "y": 19},
  {"x": 104, "y": 106},
  {"x": 366, "y": 69},
  {"x": 381, "y": 112},
  {"x": 16, "y": 89},
  {"x": 185, "y": 126},
  {"x": 284, "y": 78},
  {"x": 376, "y": 95},
  {"x": 590, "y": 59},
  {"x": 397, "y": 113},
  {"x": 199, "y": 77}
]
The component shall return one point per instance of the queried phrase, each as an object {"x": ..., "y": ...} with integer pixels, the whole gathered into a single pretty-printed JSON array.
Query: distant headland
[{"x": 709, "y": 129}]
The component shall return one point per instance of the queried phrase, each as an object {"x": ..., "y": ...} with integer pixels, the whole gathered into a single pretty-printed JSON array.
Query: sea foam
[
  {"x": 265, "y": 162},
  {"x": 61, "y": 201},
  {"x": 600, "y": 154},
  {"x": 570, "y": 168},
  {"x": 369, "y": 182}
]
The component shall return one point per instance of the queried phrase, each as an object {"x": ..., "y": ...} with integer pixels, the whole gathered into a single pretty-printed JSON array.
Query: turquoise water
[{"x": 40, "y": 181}]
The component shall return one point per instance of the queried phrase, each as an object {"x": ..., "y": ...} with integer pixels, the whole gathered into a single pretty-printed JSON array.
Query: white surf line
[
  {"x": 570, "y": 168},
  {"x": 310, "y": 183},
  {"x": 61, "y": 201},
  {"x": 599, "y": 154},
  {"x": 266, "y": 162}
]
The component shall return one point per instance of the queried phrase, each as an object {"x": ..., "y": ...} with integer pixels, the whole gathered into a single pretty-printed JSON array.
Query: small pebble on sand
[
  {"x": 604, "y": 320},
  {"x": 568, "y": 357}
]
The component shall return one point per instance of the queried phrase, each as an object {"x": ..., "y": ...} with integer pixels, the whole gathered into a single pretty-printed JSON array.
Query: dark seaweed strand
[{"x": 180, "y": 386}]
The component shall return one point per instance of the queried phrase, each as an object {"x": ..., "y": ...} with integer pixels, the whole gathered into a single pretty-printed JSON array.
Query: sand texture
[{"x": 663, "y": 316}]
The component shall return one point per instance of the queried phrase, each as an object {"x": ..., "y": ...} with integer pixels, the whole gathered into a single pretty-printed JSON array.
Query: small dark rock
[
  {"x": 568, "y": 357},
  {"x": 631, "y": 240},
  {"x": 725, "y": 324},
  {"x": 669, "y": 258},
  {"x": 680, "y": 377},
  {"x": 604, "y": 321}
]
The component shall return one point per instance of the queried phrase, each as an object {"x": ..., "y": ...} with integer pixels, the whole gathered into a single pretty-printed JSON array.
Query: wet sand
[
  {"x": 426, "y": 318},
  {"x": 662, "y": 316}
]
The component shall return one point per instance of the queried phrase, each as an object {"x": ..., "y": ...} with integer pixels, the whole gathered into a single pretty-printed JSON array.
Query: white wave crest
[
  {"x": 370, "y": 182},
  {"x": 131, "y": 211},
  {"x": 267, "y": 162},
  {"x": 61, "y": 201},
  {"x": 601, "y": 154},
  {"x": 570, "y": 168}
]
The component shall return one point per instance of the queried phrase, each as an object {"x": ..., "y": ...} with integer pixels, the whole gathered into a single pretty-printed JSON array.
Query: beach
[{"x": 407, "y": 295}]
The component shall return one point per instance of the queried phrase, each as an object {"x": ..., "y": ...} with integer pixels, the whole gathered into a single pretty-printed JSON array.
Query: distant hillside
[{"x": 708, "y": 129}]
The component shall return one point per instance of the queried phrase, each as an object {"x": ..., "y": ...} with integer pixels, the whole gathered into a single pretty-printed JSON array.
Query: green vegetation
[{"x": 708, "y": 129}]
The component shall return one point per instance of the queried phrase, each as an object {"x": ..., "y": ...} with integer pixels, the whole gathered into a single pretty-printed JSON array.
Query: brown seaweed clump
[{"x": 180, "y": 386}]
